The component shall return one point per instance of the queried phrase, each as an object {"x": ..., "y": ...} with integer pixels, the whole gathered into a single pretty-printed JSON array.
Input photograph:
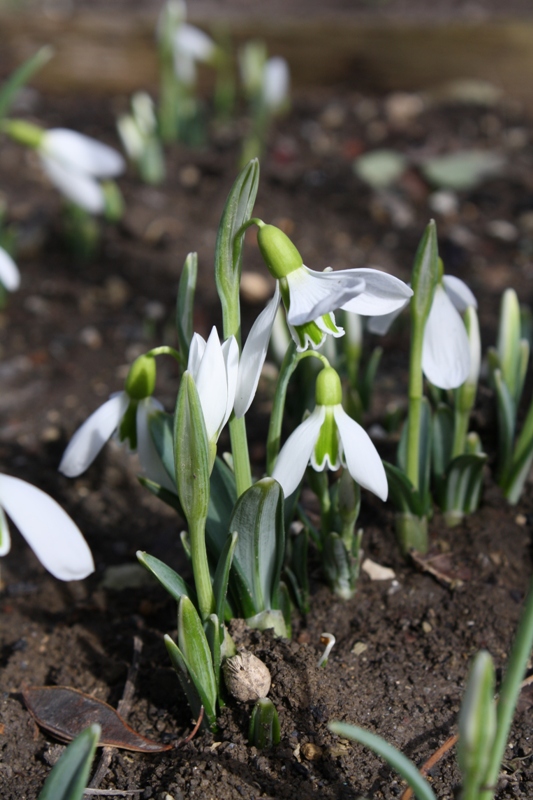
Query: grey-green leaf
[{"x": 68, "y": 779}]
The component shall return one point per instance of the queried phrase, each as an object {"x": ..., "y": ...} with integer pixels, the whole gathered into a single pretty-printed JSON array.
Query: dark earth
[{"x": 403, "y": 648}]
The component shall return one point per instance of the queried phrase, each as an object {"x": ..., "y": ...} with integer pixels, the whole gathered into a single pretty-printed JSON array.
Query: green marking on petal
[
  {"x": 328, "y": 321},
  {"x": 326, "y": 452},
  {"x": 128, "y": 427},
  {"x": 309, "y": 333}
]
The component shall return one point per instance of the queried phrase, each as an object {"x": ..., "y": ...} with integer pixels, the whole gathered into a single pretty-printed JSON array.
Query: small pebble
[
  {"x": 311, "y": 752},
  {"x": 91, "y": 337},
  {"x": 247, "y": 677}
]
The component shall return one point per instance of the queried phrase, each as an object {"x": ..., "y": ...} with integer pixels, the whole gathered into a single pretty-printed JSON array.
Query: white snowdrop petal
[
  {"x": 211, "y": 383},
  {"x": 362, "y": 459},
  {"x": 313, "y": 294},
  {"x": 380, "y": 325},
  {"x": 230, "y": 351},
  {"x": 445, "y": 349},
  {"x": 196, "y": 353},
  {"x": 81, "y": 189},
  {"x": 55, "y": 539},
  {"x": 194, "y": 43},
  {"x": 149, "y": 459},
  {"x": 80, "y": 153},
  {"x": 458, "y": 292},
  {"x": 276, "y": 78},
  {"x": 254, "y": 354},
  {"x": 295, "y": 454},
  {"x": 93, "y": 434},
  {"x": 383, "y": 293},
  {"x": 9, "y": 274}
]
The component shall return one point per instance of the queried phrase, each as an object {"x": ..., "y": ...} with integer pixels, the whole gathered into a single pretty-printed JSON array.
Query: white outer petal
[
  {"x": 313, "y": 294},
  {"x": 93, "y": 434},
  {"x": 81, "y": 153},
  {"x": 458, "y": 292},
  {"x": 196, "y": 353},
  {"x": 297, "y": 450},
  {"x": 253, "y": 355},
  {"x": 9, "y": 274},
  {"x": 193, "y": 43},
  {"x": 230, "y": 351},
  {"x": 362, "y": 459},
  {"x": 81, "y": 189},
  {"x": 445, "y": 349},
  {"x": 212, "y": 386},
  {"x": 383, "y": 294},
  {"x": 151, "y": 464},
  {"x": 381, "y": 324},
  {"x": 55, "y": 539},
  {"x": 276, "y": 79},
  {"x": 5, "y": 539}
]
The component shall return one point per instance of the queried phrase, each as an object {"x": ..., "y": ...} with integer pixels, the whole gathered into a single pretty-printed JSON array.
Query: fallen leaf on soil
[
  {"x": 66, "y": 712},
  {"x": 442, "y": 568}
]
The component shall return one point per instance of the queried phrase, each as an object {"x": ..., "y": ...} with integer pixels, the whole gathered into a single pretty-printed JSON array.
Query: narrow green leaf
[
  {"x": 264, "y": 725},
  {"x": 161, "y": 493},
  {"x": 506, "y": 412},
  {"x": 193, "y": 644},
  {"x": 70, "y": 776},
  {"x": 461, "y": 487},
  {"x": 220, "y": 582},
  {"x": 185, "y": 304},
  {"x": 442, "y": 439},
  {"x": 477, "y": 724},
  {"x": 425, "y": 274},
  {"x": 223, "y": 496},
  {"x": 258, "y": 519},
  {"x": 393, "y": 757},
  {"x": 161, "y": 427},
  {"x": 167, "y": 577},
  {"x": 402, "y": 493},
  {"x": 228, "y": 253},
  {"x": 191, "y": 451},
  {"x": 194, "y": 698},
  {"x": 367, "y": 383},
  {"x": 214, "y": 632},
  {"x": 21, "y": 76},
  {"x": 508, "y": 345}
]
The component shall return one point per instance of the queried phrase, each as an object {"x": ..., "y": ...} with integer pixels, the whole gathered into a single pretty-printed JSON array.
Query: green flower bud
[
  {"x": 140, "y": 382},
  {"x": 23, "y": 132},
  {"x": 328, "y": 390},
  {"x": 279, "y": 253}
]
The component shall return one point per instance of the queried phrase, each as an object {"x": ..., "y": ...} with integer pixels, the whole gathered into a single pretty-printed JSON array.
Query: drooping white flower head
[
  {"x": 190, "y": 47},
  {"x": 214, "y": 369},
  {"x": 9, "y": 274},
  {"x": 446, "y": 351},
  {"x": 54, "y": 538},
  {"x": 75, "y": 163},
  {"x": 327, "y": 439},
  {"x": 276, "y": 80},
  {"x": 129, "y": 412}
]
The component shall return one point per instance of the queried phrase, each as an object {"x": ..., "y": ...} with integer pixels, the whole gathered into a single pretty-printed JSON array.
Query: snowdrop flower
[
  {"x": 327, "y": 439},
  {"x": 446, "y": 348},
  {"x": 276, "y": 78},
  {"x": 191, "y": 46},
  {"x": 54, "y": 538},
  {"x": 310, "y": 297},
  {"x": 75, "y": 163},
  {"x": 214, "y": 369},
  {"x": 9, "y": 274},
  {"x": 127, "y": 413}
]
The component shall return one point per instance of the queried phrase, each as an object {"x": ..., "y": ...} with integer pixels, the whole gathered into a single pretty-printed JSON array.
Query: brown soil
[{"x": 66, "y": 337}]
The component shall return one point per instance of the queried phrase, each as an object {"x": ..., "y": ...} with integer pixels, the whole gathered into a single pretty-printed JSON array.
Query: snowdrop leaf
[
  {"x": 463, "y": 170},
  {"x": 362, "y": 459},
  {"x": 194, "y": 646},
  {"x": 506, "y": 412},
  {"x": 52, "y": 535},
  {"x": 185, "y": 303},
  {"x": 191, "y": 451},
  {"x": 228, "y": 252},
  {"x": 220, "y": 581},
  {"x": 223, "y": 496},
  {"x": 21, "y": 76},
  {"x": 424, "y": 457},
  {"x": 402, "y": 493},
  {"x": 393, "y": 757},
  {"x": 195, "y": 698},
  {"x": 167, "y": 577},
  {"x": 445, "y": 358},
  {"x": 295, "y": 454},
  {"x": 461, "y": 487},
  {"x": 425, "y": 274},
  {"x": 66, "y": 712},
  {"x": 70, "y": 776},
  {"x": 161, "y": 428},
  {"x": 477, "y": 724},
  {"x": 93, "y": 434},
  {"x": 9, "y": 273},
  {"x": 258, "y": 521},
  {"x": 442, "y": 439},
  {"x": 380, "y": 168}
]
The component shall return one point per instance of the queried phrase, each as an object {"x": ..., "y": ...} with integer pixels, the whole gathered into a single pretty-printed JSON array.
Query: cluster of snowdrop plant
[
  {"x": 484, "y": 723},
  {"x": 236, "y": 527},
  {"x": 140, "y": 138},
  {"x": 266, "y": 84}
]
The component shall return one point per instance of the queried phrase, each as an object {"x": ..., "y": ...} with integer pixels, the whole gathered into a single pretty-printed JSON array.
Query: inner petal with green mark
[
  {"x": 128, "y": 427},
  {"x": 313, "y": 333},
  {"x": 327, "y": 451}
]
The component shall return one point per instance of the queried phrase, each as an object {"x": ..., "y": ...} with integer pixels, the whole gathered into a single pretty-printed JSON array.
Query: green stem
[
  {"x": 200, "y": 568},
  {"x": 290, "y": 362},
  {"x": 165, "y": 350},
  {"x": 510, "y": 690},
  {"x": 415, "y": 403},
  {"x": 460, "y": 431}
]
